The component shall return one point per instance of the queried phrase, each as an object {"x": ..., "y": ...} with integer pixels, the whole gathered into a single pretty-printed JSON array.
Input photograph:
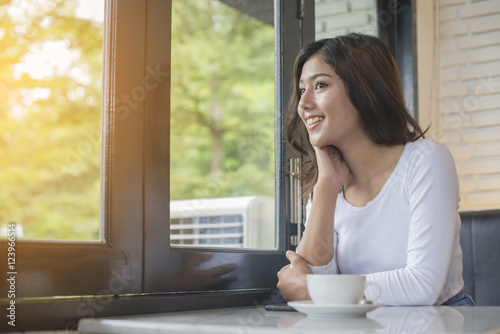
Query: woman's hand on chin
[
  {"x": 292, "y": 278},
  {"x": 331, "y": 166}
]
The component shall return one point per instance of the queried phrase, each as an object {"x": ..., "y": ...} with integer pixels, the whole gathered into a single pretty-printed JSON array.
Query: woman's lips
[{"x": 312, "y": 122}]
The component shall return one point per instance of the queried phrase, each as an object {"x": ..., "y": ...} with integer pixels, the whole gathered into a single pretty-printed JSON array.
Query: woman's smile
[
  {"x": 324, "y": 107},
  {"x": 314, "y": 121}
]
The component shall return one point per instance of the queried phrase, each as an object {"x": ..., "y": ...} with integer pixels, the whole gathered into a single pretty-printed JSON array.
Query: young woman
[{"x": 383, "y": 201}]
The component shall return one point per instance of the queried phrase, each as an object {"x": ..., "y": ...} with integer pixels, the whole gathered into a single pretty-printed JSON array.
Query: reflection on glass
[
  {"x": 222, "y": 124},
  {"x": 50, "y": 88}
]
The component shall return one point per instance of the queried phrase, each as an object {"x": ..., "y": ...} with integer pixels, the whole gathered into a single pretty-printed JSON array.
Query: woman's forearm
[{"x": 316, "y": 246}]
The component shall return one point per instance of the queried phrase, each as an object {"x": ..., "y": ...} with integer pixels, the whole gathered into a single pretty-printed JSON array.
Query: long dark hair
[{"x": 372, "y": 83}]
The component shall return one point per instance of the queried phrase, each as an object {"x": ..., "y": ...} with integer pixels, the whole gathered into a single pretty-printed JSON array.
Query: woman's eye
[
  {"x": 320, "y": 85},
  {"x": 302, "y": 91}
]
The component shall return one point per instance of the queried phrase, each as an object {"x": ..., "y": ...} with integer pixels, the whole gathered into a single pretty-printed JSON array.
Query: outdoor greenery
[
  {"x": 222, "y": 102},
  {"x": 50, "y": 88},
  {"x": 222, "y": 135}
]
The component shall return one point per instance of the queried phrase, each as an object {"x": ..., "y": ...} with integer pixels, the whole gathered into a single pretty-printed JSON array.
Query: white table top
[{"x": 414, "y": 319}]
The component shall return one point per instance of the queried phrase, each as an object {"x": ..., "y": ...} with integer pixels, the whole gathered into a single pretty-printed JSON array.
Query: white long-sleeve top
[{"x": 407, "y": 238}]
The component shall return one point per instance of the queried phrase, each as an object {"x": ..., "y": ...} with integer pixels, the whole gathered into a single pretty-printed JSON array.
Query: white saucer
[{"x": 338, "y": 311}]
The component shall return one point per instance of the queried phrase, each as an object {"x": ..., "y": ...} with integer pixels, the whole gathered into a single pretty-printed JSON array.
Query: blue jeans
[{"x": 460, "y": 299}]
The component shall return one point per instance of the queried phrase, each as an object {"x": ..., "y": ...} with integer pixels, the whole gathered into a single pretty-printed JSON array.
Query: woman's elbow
[
  {"x": 414, "y": 300},
  {"x": 428, "y": 300},
  {"x": 427, "y": 295}
]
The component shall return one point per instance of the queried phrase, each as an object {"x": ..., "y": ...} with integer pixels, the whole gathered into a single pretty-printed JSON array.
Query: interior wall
[
  {"x": 458, "y": 44},
  {"x": 338, "y": 17}
]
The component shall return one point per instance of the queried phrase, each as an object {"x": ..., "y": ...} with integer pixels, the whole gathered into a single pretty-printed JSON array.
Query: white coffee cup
[{"x": 327, "y": 290}]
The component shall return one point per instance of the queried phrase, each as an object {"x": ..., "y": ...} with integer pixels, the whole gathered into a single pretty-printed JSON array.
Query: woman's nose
[{"x": 306, "y": 100}]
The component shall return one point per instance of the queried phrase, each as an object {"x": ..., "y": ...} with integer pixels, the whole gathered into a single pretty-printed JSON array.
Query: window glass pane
[
  {"x": 222, "y": 124},
  {"x": 338, "y": 17},
  {"x": 50, "y": 88}
]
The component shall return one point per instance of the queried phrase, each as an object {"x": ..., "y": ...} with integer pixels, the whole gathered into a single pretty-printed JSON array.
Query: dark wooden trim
[{"x": 480, "y": 213}]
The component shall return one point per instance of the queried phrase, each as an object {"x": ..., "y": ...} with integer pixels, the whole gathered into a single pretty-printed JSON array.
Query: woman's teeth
[{"x": 314, "y": 120}]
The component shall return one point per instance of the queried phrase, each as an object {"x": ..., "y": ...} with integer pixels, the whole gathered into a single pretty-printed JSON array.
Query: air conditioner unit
[{"x": 234, "y": 222}]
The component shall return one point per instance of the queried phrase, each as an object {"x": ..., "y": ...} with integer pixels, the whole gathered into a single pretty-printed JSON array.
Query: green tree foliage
[
  {"x": 50, "y": 119},
  {"x": 222, "y": 132},
  {"x": 222, "y": 111}
]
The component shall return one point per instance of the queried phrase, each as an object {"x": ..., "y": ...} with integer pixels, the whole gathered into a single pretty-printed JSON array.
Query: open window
[{"x": 154, "y": 254}]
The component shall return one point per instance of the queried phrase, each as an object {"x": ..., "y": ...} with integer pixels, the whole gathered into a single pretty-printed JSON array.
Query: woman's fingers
[
  {"x": 296, "y": 261},
  {"x": 292, "y": 278},
  {"x": 331, "y": 165}
]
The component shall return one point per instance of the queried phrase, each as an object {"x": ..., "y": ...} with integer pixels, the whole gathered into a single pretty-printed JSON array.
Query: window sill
[{"x": 58, "y": 313}]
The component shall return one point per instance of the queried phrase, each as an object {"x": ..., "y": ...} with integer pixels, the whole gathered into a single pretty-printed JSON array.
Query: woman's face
[{"x": 324, "y": 107}]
